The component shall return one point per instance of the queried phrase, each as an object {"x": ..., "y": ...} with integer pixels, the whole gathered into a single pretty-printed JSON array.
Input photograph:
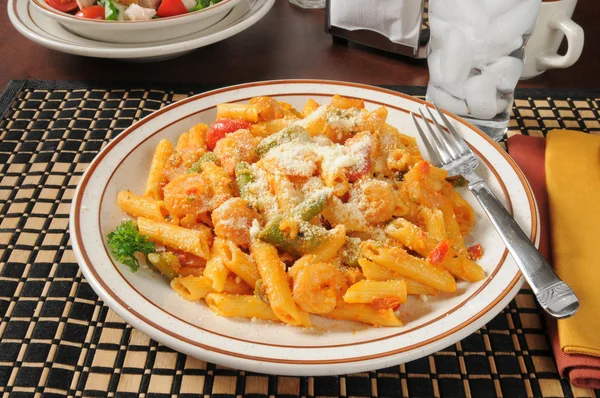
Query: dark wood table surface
[{"x": 288, "y": 43}]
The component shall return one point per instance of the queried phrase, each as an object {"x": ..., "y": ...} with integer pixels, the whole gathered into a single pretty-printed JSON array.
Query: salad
[{"x": 129, "y": 10}]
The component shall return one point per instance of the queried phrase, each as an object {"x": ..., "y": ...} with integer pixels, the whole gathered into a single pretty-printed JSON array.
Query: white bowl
[
  {"x": 149, "y": 304},
  {"x": 151, "y": 31},
  {"x": 47, "y": 32}
]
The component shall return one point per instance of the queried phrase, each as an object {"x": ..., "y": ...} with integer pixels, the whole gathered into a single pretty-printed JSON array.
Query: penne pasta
[
  {"x": 192, "y": 288},
  {"x": 330, "y": 246},
  {"x": 310, "y": 106},
  {"x": 216, "y": 270},
  {"x": 162, "y": 153},
  {"x": 142, "y": 206},
  {"x": 238, "y": 111},
  {"x": 272, "y": 272},
  {"x": 197, "y": 136},
  {"x": 375, "y": 272},
  {"x": 195, "y": 288},
  {"x": 194, "y": 241},
  {"x": 388, "y": 294},
  {"x": 365, "y": 314},
  {"x": 421, "y": 242},
  {"x": 233, "y": 305},
  {"x": 399, "y": 261},
  {"x": 239, "y": 263},
  {"x": 433, "y": 220}
]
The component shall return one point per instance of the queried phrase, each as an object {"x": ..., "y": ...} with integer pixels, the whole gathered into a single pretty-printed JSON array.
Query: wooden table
[{"x": 288, "y": 43}]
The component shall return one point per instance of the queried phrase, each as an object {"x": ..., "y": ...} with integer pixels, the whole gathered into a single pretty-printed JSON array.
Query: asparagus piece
[{"x": 288, "y": 134}]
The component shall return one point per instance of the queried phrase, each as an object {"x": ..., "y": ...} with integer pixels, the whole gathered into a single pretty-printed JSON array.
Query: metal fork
[{"x": 450, "y": 152}]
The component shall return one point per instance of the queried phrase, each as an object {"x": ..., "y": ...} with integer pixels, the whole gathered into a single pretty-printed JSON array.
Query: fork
[{"x": 450, "y": 152}]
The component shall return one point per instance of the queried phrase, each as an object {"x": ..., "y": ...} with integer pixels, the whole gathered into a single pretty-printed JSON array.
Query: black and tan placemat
[{"x": 57, "y": 338}]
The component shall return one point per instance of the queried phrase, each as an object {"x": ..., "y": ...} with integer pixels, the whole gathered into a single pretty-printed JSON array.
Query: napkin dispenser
[{"x": 396, "y": 26}]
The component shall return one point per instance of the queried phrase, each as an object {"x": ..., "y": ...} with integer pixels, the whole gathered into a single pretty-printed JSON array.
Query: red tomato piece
[
  {"x": 363, "y": 168},
  {"x": 62, "y": 5},
  {"x": 187, "y": 259},
  {"x": 221, "y": 127},
  {"x": 91, "y": 12},
  {"x": 170, "y": 8},
  {"x": 364, "y": 153},
  {"x": 475, "y": 252},
  {"x": 438, "y": 254}
]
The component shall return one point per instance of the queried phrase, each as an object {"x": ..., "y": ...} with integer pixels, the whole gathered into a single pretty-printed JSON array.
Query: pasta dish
[{"x": 276, "y": 213}]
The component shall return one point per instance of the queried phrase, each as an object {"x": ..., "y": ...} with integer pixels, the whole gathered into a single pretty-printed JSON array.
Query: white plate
[
  {"x": 47, "y": 32},
  {"x": 150, "y": 31},
  {"x": 148, "y": 303}
]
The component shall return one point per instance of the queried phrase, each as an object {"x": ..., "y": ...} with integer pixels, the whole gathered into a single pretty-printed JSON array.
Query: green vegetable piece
[
  {"x": 200, "y": 5},
  {"x": 311, "y": 206},
  {"x": 207, "y": 157},
  {"x": 111, "y": 12},
  {"x": 260, "y": 291},
  {"x": 288, "y": 134},
  {"x": 213, "y": 2},
  {"x": 458, "y": 181},
  {"x": 243, "y": 177},
  {"x": 164, "y": 262},
  {"x": 309, "y": 237},
  {"x": 125, "y": 241},
  {"x": 350, "y": 252}
]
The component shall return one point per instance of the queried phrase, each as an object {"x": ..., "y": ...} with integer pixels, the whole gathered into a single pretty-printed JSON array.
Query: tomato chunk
[
  {"x": 91, "y": 12},
  {"x": 360, "y": 146},
  {"x": 475, "y": 252},
  {"x": 221, "y": 127},
  {"x": 438, "y": 254},
  {"x": 170, "y": 8},
  {"x": 187, "y": 259},
  {"x": 62, "y": 5}
]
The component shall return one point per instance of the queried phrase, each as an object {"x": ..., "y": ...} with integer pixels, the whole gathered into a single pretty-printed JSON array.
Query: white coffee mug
[{"x": 554, "y": 23}]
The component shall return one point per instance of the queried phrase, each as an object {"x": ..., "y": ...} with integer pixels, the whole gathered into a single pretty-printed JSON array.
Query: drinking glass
[
  {"x": 475, "y": 59},
  {"x": 309, "y": 3}
]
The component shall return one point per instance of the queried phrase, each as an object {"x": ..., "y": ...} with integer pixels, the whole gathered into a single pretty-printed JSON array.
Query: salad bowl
[{"x": 120, "y": 30}]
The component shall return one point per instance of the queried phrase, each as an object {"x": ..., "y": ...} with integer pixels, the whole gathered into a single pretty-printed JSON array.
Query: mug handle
[{"x": 575, "y": 39}]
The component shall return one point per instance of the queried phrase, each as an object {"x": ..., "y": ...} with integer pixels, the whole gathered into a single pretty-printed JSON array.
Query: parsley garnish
[{"x": 125, "y": 241}]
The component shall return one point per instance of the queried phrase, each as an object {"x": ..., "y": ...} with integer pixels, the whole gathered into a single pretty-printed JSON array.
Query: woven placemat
[{"x": 58, "y": 338}]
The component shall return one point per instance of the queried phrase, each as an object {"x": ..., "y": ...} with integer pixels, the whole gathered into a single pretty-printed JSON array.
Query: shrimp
[
  {"x": 375, "y": 199},
  {"x": 233, "y": 219},
  {"x": 194, "y": 193},
  {"x": 318, "y": 287}
]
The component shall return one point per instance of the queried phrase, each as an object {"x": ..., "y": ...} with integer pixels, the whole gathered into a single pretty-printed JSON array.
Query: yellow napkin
[{"x": 573, "y": 180}]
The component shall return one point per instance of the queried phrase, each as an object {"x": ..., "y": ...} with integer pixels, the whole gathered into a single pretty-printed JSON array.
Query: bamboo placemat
[{"x": 57, "y": 338}]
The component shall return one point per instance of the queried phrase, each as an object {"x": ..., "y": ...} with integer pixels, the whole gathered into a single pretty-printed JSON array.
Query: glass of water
[{"x": 476, "y": 55}]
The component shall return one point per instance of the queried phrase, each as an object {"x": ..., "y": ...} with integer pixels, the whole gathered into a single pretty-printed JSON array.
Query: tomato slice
[
  {"x": 91, "y": 12},
  {"x": 363, "y": 151},
  {"x": 438, "y": 254},
  {"x": 475, "y": 252},
  {"x": 62, "y": 5},
  {"x": 221, "y": 127},
  {"x": 170, "y": 8}
]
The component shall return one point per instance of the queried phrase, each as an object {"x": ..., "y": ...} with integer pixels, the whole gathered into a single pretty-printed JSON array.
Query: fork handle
[{"x": 554, "y": 295}]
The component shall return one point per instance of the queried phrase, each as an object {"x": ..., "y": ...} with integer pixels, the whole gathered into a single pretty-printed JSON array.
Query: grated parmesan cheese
[
  {"x": 302, "y": 158},
  {"x": 254, "y": 229}
]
